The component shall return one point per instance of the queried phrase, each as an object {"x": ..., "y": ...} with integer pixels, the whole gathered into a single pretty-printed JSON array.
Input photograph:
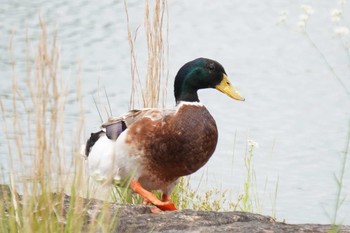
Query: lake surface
[{"x": 295, "y": 109}]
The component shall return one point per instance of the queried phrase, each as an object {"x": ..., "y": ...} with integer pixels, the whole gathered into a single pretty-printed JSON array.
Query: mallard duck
[{"x": 153, "y": 148}]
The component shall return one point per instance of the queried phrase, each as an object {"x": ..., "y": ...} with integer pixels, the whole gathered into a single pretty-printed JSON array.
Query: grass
[
  {"x": 339, "y": 179},
  {"x": 153, "y": 91},
  {"x": 37, "y": 136},
  {"x": 37, "y": 144}
]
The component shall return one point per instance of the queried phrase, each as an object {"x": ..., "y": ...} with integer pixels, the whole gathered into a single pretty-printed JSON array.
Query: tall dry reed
[
  {"x": 33, "y": 123},
  {"x": 153, "y": 88}
]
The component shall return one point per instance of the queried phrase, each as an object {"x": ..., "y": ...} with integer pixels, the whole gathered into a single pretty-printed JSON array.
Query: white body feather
[
  {"x": 109, "y": 161},
  {"x": 114, "y": 162}
]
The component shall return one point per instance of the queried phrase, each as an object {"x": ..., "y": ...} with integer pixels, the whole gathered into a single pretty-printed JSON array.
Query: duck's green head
[{"x": 199, "y": 74}]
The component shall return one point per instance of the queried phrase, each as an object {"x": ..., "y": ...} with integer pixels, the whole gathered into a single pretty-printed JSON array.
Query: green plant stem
[
  {"x": 330, "y": 67},
  {"x": 340, "y": 179}
]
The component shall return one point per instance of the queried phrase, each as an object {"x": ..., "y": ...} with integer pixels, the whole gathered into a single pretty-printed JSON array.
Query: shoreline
[{"x": 138, "y": 218}]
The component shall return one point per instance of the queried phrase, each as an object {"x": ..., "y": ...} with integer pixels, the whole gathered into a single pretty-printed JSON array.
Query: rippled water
[{"x": 295, "y": 109}]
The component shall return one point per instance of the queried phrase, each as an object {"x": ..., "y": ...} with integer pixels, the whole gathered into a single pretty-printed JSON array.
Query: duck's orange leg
[
  {"x": 165, "y": 204},
  {"x": 165, "y": 198}
]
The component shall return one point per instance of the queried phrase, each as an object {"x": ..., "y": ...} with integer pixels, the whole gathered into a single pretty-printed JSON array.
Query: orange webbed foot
[
  {"x": 169, "y": 205},
  {"x": 166, "y": 206},
  {"x": 162, "y": 205}
]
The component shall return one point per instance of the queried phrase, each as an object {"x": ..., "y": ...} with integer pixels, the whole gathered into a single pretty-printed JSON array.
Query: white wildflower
[
  {"x": 284, "y": 12},
  {"x": 304, "y": 17},
  {"x": 307, "y": 9},
  {"x": 336, "y": 15},
  {"x": 301, "y": 26},
  {"x": 283, "y": 17},
  {"x": 252, "y": 143},
  {"x": 341, "y": 31}
]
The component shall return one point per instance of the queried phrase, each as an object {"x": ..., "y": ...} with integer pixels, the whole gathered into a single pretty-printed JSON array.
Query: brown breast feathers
[{"x": 177, "y": 144}]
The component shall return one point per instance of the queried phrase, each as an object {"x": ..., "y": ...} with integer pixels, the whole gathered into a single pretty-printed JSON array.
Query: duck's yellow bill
[{"x": 226, "y": 87}]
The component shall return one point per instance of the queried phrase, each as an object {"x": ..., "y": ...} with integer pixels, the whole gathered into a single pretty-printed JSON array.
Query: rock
[
  {"x": 136, "y": 218},
  {"x": 210, "y": 221}
]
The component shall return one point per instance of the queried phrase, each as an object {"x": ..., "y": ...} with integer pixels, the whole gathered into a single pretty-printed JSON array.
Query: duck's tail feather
[{"x": 86, "y": 148}]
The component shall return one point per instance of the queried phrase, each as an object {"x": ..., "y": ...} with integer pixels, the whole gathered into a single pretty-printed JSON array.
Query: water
[{"x": 295, "y": 109}]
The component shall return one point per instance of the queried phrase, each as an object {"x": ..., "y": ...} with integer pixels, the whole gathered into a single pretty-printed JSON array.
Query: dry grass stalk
[
  {"x": 33, "y": 125},
  {"x": 48, "y": 98},
  {"x": 136, "y": 81},
  {"x": 156, "y": 52},
  {"x": 153, "y": 92}
]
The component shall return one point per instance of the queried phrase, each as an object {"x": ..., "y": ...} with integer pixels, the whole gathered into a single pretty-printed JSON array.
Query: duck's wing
[
  {"x": 116, "y": 125},
  {"x": 128, "y": 118}
]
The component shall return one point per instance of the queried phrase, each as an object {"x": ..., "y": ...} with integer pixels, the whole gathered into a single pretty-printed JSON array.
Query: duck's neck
[
  {"x": 184, "y": 89},
  {"x": 186, "y": 96},
  {"x": 186, "y": 103}
]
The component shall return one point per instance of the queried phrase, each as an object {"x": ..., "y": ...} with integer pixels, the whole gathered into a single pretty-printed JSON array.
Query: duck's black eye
[{"x": 211, "y": 67}]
